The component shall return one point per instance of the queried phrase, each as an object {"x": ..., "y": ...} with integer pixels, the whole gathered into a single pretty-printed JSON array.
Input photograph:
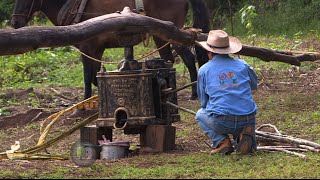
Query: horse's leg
[
  {"x": 87, "y": 74},
  {"x": 202, "y": 55},
  {"x": 189, "y": 60},
  {"x": 90, "y": 69}
]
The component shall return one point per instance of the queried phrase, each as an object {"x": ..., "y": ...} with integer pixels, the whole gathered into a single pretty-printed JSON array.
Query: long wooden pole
[{"x": 27, "y": 39}]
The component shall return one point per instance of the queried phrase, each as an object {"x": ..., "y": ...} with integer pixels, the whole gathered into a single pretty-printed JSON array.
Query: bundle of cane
[{"x": 284, "y": 143}]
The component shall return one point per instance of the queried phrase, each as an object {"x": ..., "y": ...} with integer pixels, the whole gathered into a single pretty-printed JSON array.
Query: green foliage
[
  {"x": 248, "y": 15},
  {"x": 42, "y": 66},
  {"x": 56, "y": 66},
  {"x": 4, "y": 111},
  {"x": 221, "y": 11},
  {"x": 282, "y": 17},
  {"x": 6, "y": 8}
]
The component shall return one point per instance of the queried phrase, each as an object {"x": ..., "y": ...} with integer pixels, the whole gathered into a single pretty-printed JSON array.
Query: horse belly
[
  {"x": 112, "y": 40},
  {"x": 167, "y": 10},
  {"x": 101, "y": 7}
]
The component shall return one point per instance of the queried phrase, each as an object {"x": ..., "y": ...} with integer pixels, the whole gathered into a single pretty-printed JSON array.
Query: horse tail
[{"x": 201, "y": 21}]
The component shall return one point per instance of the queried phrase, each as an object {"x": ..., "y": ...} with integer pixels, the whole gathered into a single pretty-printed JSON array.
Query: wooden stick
[
  {"x": 180, "y": 108},
  {"x": 289, "y": 152},
  {"x": 288, "y": 139},
  {"x": 305, "y": 157},
  {"x": 269, "y": 140},
  {"x": 280, "y": 148},
  {"x": 310, "y": 148},
  {"x": 276, "y": 140},
  {"x": 269, "y": 125},
  {"x": 181, "y": 88}
]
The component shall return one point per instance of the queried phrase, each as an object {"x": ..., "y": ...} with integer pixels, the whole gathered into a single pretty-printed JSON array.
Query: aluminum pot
[{"x": 114, "y": 150}]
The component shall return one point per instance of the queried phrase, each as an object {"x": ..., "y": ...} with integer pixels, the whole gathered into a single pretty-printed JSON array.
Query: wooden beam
[{"x": 26, "y": 39}]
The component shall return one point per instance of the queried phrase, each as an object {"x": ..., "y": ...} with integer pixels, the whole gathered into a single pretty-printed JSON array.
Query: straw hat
[{"x": 221, "y": 43}]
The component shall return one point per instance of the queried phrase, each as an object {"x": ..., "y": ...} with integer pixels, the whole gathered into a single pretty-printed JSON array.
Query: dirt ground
[{"x": 27, "y": 108}]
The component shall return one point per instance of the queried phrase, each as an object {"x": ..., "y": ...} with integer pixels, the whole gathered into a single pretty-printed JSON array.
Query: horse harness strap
[
  {"x": 140, "y": 6},
  {"x": 71, "y": 12},
  {"x": 30, "y": 10},
  {"x": 80, "y": 11}
]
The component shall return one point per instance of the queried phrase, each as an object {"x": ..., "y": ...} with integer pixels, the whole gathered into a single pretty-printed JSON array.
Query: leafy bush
[
  {"x": 6, "y": 8},
  {"x": 41, "y": 66},
  {"x": 285, "y": 17}
]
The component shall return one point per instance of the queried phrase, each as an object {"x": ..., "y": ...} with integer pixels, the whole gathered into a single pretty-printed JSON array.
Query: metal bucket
[{"x": 114, "y": 150}]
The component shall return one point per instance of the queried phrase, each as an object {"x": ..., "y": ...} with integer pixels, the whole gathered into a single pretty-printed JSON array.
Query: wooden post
[
  {"x": 160, "y": 138},
  {"x": 91, "y": 134}
]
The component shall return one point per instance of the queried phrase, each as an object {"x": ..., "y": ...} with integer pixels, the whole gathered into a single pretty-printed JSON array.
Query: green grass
[{"x": 195, "y": 166}]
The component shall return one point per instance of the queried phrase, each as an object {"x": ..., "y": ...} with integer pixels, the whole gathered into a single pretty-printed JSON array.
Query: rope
[
  {"x": 90, "y": 57},
  {"x": 103, "y": 62},
  {"x": 194, "y": 32},
  {"x": 149, "y": 54}
]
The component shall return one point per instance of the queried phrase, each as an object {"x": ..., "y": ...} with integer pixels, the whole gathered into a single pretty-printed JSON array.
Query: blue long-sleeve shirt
[{"x": 224, "y": 86}]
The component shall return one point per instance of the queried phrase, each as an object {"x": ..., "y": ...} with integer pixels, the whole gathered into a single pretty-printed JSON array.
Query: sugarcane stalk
[{"x": 63, "y": 135}]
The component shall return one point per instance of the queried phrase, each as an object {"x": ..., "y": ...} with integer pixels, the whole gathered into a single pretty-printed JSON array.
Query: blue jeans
[{"x": 218, "y": 129}]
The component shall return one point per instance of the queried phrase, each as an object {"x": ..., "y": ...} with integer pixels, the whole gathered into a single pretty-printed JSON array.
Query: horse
[{"x": 169, "y": 10}]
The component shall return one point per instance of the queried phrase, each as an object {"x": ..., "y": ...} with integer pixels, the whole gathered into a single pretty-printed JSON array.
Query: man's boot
[{"x": 246, "y": 140}]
